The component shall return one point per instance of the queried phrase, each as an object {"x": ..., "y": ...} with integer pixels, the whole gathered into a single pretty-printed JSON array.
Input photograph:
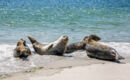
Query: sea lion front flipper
[{"x": 48, "y": 47}]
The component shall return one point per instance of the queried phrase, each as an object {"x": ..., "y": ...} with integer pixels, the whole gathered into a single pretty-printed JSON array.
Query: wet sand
[
  {"x": 75, "y": 66},
  {"x": 90, "y": 69}
]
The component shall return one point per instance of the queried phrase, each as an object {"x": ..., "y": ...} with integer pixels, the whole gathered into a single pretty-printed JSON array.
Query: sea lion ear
[{"x": 95, "y": 37}]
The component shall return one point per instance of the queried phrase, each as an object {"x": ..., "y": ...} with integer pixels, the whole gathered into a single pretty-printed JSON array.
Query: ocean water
[{"x": 47, "y": 20}]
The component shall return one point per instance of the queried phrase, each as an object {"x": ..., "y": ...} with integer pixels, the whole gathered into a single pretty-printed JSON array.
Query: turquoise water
[{"x": 46, "y": 20}]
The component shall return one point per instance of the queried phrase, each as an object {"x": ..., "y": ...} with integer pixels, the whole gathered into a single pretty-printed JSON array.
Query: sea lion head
[
  {"x": 64, "y": 38},
  {"x": 95, "y": 37},
  {"x": 21, "y": 42},
  {"x": 92, "y": 37},
  {"x": 115, "y": 54},
  {"x": 21, "y": 50},
  {"x": 61, "y": 45}
]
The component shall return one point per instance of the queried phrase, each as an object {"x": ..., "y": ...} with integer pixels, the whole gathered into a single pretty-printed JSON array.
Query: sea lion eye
[
  {"x": 65, "y": 37},
  {"x": 113, "y": 54}
]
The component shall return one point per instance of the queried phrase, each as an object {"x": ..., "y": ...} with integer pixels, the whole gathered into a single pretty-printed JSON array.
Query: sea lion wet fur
[
  {"x": 57, "y": 47},
  {"x": 80, "y": 45},
  {"x": 22, "y": 50},
  {"x": 95, "y": 49}
]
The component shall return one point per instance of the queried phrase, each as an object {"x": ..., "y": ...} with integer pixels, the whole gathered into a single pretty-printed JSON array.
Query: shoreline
[{"x": 62, "y": 68}]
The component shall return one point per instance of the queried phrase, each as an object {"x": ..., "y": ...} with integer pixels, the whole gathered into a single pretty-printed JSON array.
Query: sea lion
[
  {"x": 80, "y": 45},
  {"x": 22, "y": 50},
  {"x": 54, "y": 48},
  {"x": 97, "y": 50}
]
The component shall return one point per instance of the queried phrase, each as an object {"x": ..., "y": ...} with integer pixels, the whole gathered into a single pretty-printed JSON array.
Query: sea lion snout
[
  {"x": 116, "y": 55},
  {"x": 120, "y": 57},
  {"x": 65, "y": 38}
]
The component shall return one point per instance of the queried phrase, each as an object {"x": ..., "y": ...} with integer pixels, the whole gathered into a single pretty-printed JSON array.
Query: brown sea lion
[
  {"x": 55, "y": 48},
  {"x": 97, "y": 50},
  {"x": 22, "y": 50},
  {"x": 80, "y": 45}
]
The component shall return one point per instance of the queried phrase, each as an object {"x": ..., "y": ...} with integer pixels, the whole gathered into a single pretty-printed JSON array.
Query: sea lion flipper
[
  {"x": 32, "y": 39},
  {"x": 49, "y": 47}
]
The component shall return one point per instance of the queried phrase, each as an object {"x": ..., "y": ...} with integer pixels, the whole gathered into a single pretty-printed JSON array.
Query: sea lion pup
[
  {"x": 55, "y": 48},
  {"x": 22, "y": 50},
  {"x": 80, "y": 45},
  {"x": 96, "y": 50}
]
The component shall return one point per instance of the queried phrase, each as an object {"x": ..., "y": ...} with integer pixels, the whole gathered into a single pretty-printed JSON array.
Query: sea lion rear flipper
[{"x": 32, "y": 39}]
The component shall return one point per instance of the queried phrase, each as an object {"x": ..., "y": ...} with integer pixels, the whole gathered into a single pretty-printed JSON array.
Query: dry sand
[{"x": 93, "y": 72}]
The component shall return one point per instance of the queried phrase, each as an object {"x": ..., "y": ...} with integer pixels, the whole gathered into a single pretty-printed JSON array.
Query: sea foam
[{"x": 9, "y": 64}]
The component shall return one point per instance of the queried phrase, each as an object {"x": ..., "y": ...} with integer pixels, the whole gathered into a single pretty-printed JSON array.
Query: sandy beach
[
  {"x": 93, "y": 72},
  {"x": 90, "y": 69}
]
